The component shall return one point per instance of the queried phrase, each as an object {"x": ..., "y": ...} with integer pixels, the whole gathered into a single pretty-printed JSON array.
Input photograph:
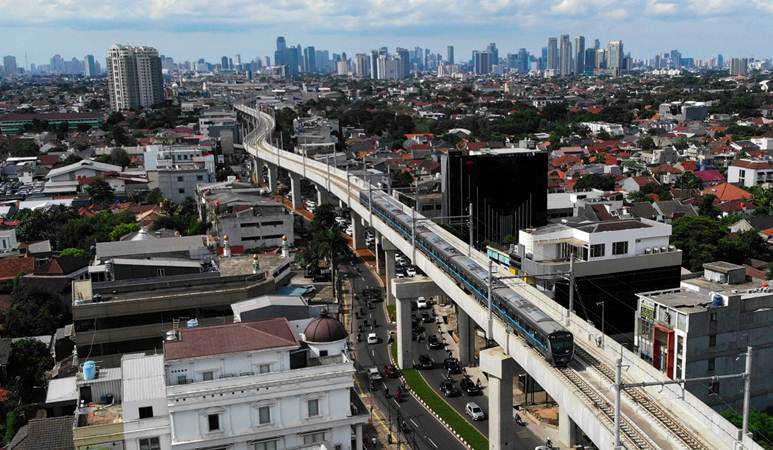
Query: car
[
  {"x": 372, "y": 338},
  {"x": 425, "y": 362},
  {"x": 349, "y": 230},
  {"x": 422, "y": 303},
  {"x": 470, "y": 387},
  {"x": 391, "y": 371},
  {"x": 374, "y": 374},
  {"x": 434, "y": 343},
  {"x": 309, "y": 289},
  {"x": 426, "y": 318},
  {"x": 449, "y": 389},
  {"x": 473, "y": 410},
  {"x": 452, "y": 366},
  {"x": 372, "y": 294},
  {"x": 410, "y": 271}
]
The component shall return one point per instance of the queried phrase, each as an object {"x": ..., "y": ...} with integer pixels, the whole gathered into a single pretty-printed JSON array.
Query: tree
[
  {"x": 324, "y": 218},
  {"x": 401, "y": 179},
  {"x": 681, "y": 144},
  {"x": 698, "y": 238},
  {"x": 120, "y": 157},
  {"x": 72, "y": 251},
  {"x": 123, "y": 229},
  {"x": 154, "y": 197},
  {"x": 115, "y": 118},
  {"x": 28, "y": 363},
  {"x": 595, "y": 181},
  {"x": 100, "y": 192},
  {"x": 707, "y": 207},
  {"x": 688, "y": 180},
  {"x": 647, "y": 143},
  {"x": 34, "y": 311},
  {"x": 760, "y": 425},
  {"x": 738, "y": 247}
]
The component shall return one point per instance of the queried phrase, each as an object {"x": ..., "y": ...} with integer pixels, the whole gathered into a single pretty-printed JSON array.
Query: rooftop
[{"x": 230, "y": 338}]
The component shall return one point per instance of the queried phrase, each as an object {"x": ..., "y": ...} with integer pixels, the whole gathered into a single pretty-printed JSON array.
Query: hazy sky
[{"x": 189, "y": 29}]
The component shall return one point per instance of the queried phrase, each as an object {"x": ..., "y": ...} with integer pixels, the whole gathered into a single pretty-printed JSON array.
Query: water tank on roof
[
  {"x": 717, "y": 301},
  {"x": 89, "y": 370}
]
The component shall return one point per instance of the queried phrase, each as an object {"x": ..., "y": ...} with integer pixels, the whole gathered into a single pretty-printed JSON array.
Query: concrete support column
[
  {"x": 390, "y": 251},
  {"x": 273, "y": 171},
  {"x": 323, "y": 196},
  {"x": 567, "y": 429},
  {"x": 404, "y": 333},
  {"x": 358, "y": 436},
  {"x": 376, "y": 247},
  {"x": 466, "y": 329},
  {"x": 501, "y": 370},
  {"x": 295, "y": 191},
  {"x": 358, "y": 232}
]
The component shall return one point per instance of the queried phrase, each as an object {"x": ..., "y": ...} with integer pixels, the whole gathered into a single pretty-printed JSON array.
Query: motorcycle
[{"x": 519, "y": 421}]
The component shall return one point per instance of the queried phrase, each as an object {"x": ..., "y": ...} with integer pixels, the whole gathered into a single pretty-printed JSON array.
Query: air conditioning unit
[
  {"x": 655, "y": 250},
  {"x": 647, "y": 251}
]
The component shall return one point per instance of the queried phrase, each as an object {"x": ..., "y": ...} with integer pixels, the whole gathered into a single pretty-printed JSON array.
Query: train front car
[{"x": 561, "y": 345}]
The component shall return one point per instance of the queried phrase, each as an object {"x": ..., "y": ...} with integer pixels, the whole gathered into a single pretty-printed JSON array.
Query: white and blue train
[{"x": 554, "y": 342}]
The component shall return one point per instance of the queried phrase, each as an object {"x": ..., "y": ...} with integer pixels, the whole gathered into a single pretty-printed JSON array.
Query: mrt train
[{"x": 554, "y": 342}]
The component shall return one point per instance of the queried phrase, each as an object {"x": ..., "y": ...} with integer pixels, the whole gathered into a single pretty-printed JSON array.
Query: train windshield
[{"x": 561, "y": 343}]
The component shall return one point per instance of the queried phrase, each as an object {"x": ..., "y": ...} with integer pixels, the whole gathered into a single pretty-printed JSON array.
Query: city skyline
[{"x": 196, "y": 29}]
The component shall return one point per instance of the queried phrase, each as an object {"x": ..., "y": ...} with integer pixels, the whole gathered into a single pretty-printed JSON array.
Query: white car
[
  {"x": 349, "y": 230},
  {"x": 374, "y": 374},
  {"x": 422, "y": 303},
  {"x": 410, "y": 271},
  {"x": 372, "y": 338},
  {"x": 473, "y": 410}
]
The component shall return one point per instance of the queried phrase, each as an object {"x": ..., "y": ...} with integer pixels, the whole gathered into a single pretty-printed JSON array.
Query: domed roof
[{"x": 325, "y": 329}]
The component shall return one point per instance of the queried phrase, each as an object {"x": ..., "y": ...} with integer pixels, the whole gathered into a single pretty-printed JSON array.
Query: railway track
[{"x": 641, "y": 398}]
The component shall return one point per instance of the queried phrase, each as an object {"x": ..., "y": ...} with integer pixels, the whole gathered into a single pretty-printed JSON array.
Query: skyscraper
[
  {"x": 739, "y": 67},
  {"x": 565, "y": 56},
  {"x": 579, "y": 55},
  {"x": 493, "y": 52},
  {"x": 310, "y": 59},
  {"x": 361, "y": 65},
  {"x": 523, "y": 61},
  {"x": 552, "y": 54},
  {"x": 450, "y": 54},
  {"x": 9, "y": 64},
  {"x": 596, "y": 44},
  {"x": 590, "y": 60},
  {"x": 481, "y": 62},
  {"x": 374, "y": 64},
  {"x": 134, "y": 77},
  {"x": 720, "y": 61},
  {"x": 224, "y": 63},
  {"x": 89, "y": 66},
  {"x": 615, "y": 57},
  {"x": 405, "y": 62}
]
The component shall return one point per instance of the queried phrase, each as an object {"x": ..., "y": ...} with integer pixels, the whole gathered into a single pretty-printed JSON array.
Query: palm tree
[{"x": 327, "y": 243}]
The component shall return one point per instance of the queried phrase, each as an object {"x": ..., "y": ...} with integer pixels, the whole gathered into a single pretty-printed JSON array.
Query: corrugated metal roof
[{"x": 143, "y": 377}]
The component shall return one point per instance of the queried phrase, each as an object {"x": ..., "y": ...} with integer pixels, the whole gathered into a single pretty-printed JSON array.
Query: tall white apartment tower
[{"x": 134, "y": 77}]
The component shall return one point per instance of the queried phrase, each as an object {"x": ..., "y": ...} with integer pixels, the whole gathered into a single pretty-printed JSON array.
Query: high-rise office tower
[
  {"x": 552, "y": 63},
  {"x": 9, "y": 64},
  {"x": 134, "y": 77},
  {"x": 361, "y": 65},
  {"x": 579, "y": 55},
  {"x": 89, "y": 66},
  {"x": 374, "y": 64},
  {"x": 676, "y": 59},
  {"x": 493, "y": 52},
  {"x": 523, "y": 61},
  {"x": 481, "y": 62},
  {"x": 596, "y": 44},
  {"x": 450, "y": 54},
  {"x": 720, "y": 61},
  {"x": 543, "y": 60},
  {"x": 224, "y": 63},
  {"x": 310, "y": 59},
  {"x": 615, "y": 57},
  {"x": 281, "y": 44},
  {"x": 565, "y": 56},
  {"x": 238, "y": 60},
  {"x": 590, "y": 61},
  {"x": 405, "y": 62},
  {"x": 739, "y": 67},
  {"x": 601, "y": 58}
]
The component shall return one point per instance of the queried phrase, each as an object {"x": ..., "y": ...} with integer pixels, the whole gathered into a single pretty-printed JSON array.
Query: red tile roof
[
  {"x": 12, "y": 266},
  {"x": 726, "y": 192},
  {"x": 749, "y": 164},
  {"x": 231, "y": 338}
]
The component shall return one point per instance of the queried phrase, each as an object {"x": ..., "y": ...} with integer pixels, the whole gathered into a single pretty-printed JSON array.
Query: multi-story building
[
  {"x": 9, "y": 65},
  {"x": 506, "y": 187},
  {"x": 552, "y": 54},
  {"x": 565, "y": 56},
  {"x": 612, "y": 129},
  {"x": 615, "y": 58},
  {"x": 684, "y": 110},
  {"x": 703, "y": 328},
  {"x": 750, "y": 173},
  {"x": 579, "y": 55},
  {"x": 613, "y": 260},
  {"x": 134, "y": 77},
  {"x": 450, "y": 54},
  {"x": 90, "y": 66},
  {"x": 361, "y": 65}
]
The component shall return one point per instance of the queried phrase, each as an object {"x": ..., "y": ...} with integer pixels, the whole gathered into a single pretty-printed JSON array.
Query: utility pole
[
  {"x": 490, "y": 333},
  {"x": 747, "y": 389},
  {"x": 469, "y": 246},
  {"x": 603, "y": 310},
  {"x": 618, "y": 393},
  {"x": 571, "y": 290}
]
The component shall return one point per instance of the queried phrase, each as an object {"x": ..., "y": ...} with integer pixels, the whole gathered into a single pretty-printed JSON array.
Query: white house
[
  {"x": 750, "y": 173},
  {"x": 81, "y": 169}
]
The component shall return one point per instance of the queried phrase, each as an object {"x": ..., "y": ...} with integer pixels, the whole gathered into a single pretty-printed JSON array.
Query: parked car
[
  {"x": 374, "y": 374},
  {"x": 452, "y": 366},
  {"x": 372, "y": 338},
  {"x": 434, "y": 343},
  {"x": 469, "y": 387},
  {"x": 426, "y": 318},
  {"x": 425, "y": 362},
  {"x": 410, "y": 271},
  {"x": 391, "y": 371},
  {"x": 473, "y": 410},
  {"x": 449, "y": 389},
  {"x": 422, "y": 303}
]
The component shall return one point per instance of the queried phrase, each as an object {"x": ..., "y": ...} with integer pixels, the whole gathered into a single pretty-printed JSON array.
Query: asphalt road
[{"x": 422, "y": 430}]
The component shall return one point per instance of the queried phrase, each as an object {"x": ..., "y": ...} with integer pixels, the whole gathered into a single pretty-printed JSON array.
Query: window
[
  {"x": 313, "y": 407},
  {"x": 713, "y": 317},
  {"x": 146, "y": 412},
  {"x": 264, "y": 368},
  {"x": 264, "y": 415},
  {"x": 150, "y": 444},
  {"x": 323, "y": 353},
  {"x": 266, "y": 445},
  {"x": 713, "y": 340},
  {"x": 160, "y": 272},
  {"x": 712, "y": 363},
  {"x": 180, "y": 179},
  {"x": 214, "y": 422},
  {"x": 182, "y": 379},
  {"x": 596, "y": 250},
  {"x": 208, "y": 376},
  {"x": 181, "y": 191},
  {"x": 313, "y": 438},
  {"x": 199, "y": 177},
  {"x": 620, "y": 248}
]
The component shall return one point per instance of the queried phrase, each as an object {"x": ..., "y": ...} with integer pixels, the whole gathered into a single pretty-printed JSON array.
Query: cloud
[{"x": 347, "y": 15}]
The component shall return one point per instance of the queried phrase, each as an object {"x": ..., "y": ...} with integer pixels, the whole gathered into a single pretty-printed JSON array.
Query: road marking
[
  {"x": 432, "y": 442},
  {"x": 414, "y": 423}
]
